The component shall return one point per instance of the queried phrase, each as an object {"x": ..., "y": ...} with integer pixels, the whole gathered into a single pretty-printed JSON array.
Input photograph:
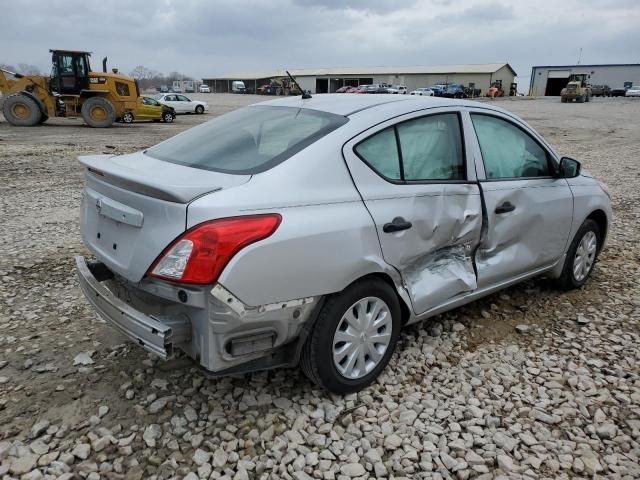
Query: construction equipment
[
  {"x": 513, "y": 89},
  {"x": 495, "y": 90},
  {"x": 284, "y": 86},
  {"x": 577, "y": 89},
  {"x": 72, "y": 90}
]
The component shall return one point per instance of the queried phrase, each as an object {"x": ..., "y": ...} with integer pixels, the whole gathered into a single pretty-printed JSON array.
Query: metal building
[
  {"x": 549, "y": 80},
  {"x": 328, "y": 80}
]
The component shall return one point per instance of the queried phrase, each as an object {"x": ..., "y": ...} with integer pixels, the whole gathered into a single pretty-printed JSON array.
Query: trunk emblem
[{"x": 98, "y": 205}]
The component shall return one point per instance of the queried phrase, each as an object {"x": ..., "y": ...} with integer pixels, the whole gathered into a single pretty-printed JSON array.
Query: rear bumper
[{"x": 156, "y": 336}]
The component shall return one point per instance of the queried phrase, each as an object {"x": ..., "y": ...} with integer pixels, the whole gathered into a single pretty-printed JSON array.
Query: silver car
[{"x": 310, "y": 231}]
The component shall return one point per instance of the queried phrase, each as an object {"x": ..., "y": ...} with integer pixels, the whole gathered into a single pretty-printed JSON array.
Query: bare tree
[
  {"x": 27, "y": 69},
  {"x": 6, "y": 66},
  {"x": 141, "y": 73}
]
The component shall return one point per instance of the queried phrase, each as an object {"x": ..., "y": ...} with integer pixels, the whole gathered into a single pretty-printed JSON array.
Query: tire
[
  {"x": 167, "y": 117},
  {"x": 127, "y": 117},
  {"x": 588, "y": 233},
  {"x": 320, "y": 359},
  {"x": 581, "y": 99},
  {"x": 98, "y": 112},
  {"x": 587, "y": 98},
  {"x": 199, "y": 109},
  {"x": 21, "y": 110},
  {"x": 43, "y": 118},
  {"x": 563, "y": 100}
]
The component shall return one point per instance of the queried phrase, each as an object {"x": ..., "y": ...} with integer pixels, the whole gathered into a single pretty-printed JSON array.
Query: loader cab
[{"x": 69, "y": 72}]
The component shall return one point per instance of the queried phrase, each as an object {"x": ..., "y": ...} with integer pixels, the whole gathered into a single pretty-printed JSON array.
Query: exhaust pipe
[{"x": 104, "y": 64}]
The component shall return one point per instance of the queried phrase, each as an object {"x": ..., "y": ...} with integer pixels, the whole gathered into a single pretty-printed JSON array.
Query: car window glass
[
  {"x": 432, "y": 148},
  {"x": 182, "y": 98},
  {"x": 507, "y": 151},
  {"x": 248, "y": 140},
  {"x": 380, "y": 152},
  {"x": 147, "y": 101}
]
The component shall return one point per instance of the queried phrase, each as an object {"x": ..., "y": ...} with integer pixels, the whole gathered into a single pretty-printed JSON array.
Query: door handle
[
  {"x": 397, "y": 225},
  {"x": 505, "y": 207}
]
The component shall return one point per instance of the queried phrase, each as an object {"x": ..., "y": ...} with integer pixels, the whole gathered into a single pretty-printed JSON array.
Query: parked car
[
  {"x": 182, "y": 104},
  {"x": 150, "y": 109},
  {"x": 618, "y": 92},
  {"x": 433, "y": 204},
  {"x": 237, "y": 86},
  {"x": 262, "y": 89},
  {"x": 634, "y": 91},
  {"x": 344, "y": 89},
  {"x": 438, "y": 89},
  {"x": 600, "y": 91},
  {"x": 423, "y": 92},
  {"x": 164, "y": 89},
  {"x": 363, "y": 88},
  {"x": 204, "y": 88},
  {"x": 398, "y": 89},
  {"x": 454, "y": 90}
]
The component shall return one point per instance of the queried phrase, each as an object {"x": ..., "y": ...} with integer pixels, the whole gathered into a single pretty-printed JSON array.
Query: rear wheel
[
  {"x": 98, "y": 112},
  {"x": 167, "y": 117},
  {"x": 127, "y": 117},
  {"x": 199, "y": 109},
  {"x": 353, "y": 338},
  {"x": 581, "y": 256},
  {"x": 21, "y": 110}
]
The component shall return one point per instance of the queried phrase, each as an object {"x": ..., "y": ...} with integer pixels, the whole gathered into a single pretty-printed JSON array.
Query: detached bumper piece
[{"x": 156, "y": 336}]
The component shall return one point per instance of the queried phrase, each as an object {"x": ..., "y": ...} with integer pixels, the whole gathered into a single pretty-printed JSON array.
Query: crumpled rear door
[{"x": 435, "y": 254}]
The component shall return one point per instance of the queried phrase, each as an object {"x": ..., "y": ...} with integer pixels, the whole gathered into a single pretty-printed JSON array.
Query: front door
[
  {"x": 528, "y": 208},
  {"x": 413, "y": 176}
]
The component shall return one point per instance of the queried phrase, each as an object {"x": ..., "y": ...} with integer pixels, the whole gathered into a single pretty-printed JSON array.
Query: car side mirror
[{"x": 569, "y": 168}]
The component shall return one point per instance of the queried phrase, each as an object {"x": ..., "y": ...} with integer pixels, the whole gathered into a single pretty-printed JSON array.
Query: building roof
[
  {"x": 590, "y": 66},
  {"x": 363, "y": 71}
]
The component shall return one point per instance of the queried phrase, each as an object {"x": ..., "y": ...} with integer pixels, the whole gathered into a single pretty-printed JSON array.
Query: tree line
[{"x": 147, "y": 77}]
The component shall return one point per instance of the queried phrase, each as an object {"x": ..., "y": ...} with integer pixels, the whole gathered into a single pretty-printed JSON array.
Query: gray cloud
[{"x": 205, "y": 38}]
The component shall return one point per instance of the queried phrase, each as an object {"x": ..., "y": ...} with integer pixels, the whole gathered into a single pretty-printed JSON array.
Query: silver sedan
[{"x": 310, "y": 231}]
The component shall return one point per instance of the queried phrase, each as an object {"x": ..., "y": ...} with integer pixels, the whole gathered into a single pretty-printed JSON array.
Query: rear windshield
[{"x": 249, "y": 140}]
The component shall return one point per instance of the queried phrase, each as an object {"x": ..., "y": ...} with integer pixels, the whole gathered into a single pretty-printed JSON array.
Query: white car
[
  {"x": 423, "y": 92},
  {"x": 182, "y": 104},
  {"x": 402, "y": 89},
  {"x": 633, "y": 91},
  {"x": 204, "y": 88}
]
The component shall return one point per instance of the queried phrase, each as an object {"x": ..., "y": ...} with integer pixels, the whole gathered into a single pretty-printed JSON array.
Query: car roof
[{"x": 341, "y": 104}]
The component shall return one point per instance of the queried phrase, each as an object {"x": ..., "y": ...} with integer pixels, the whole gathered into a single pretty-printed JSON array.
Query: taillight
[{"x": 201, "y": 253}]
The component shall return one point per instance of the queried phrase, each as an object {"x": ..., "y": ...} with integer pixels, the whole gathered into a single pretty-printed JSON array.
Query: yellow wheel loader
[{"x": 72, "y": 90}]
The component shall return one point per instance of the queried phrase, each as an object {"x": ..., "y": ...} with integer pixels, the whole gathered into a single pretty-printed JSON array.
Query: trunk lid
[{"x": 134, "y": 206}]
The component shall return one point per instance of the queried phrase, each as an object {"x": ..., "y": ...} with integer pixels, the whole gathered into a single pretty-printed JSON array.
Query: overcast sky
[{"x": 204, "y": 38}]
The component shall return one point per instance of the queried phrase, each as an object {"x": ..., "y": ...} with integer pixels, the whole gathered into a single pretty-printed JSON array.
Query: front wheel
[
  {"x": 581, "y": 256},
  {"x": 98, "y": 112},
  {"x": 167, "y": 117},
  {"x": 353, "y": 337},
  {"x": 127, "y": 117},
  {"x": 199, "y": 109}
]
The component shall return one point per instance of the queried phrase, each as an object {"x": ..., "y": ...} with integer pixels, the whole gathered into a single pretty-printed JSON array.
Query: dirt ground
[{"x": 45, "y": 322}]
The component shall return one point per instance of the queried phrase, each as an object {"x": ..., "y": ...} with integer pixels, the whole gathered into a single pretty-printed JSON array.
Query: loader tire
[
  {"x": 43, "y": 118},
  {"x": 98, "y": 112},
  {"x": 21, "y": 111}
]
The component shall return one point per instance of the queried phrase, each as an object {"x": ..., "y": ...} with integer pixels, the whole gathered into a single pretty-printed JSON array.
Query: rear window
[{"x": 249, "y": 140}]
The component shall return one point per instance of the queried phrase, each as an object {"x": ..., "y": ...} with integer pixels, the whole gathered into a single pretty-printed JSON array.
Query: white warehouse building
[
  {"x": 328, "y": 80},
  {"x": 550, "y": 80}
]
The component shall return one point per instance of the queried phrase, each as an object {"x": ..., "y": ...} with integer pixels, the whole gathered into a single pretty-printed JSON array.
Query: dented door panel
[
  {"x": 533, "y": 235},
  {"x": 435, "y": 255}
]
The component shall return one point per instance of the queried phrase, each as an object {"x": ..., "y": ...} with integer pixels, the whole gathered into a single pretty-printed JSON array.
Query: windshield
[{"x": 249, "y": 140}]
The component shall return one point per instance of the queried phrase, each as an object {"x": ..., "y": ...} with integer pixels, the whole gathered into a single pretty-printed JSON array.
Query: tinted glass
[
  {"x": 432, "y": 148},
  {"x": 507, "y": 151},
  {"x": 380, "y": 151},
  {"x": 248, "y": 140}
]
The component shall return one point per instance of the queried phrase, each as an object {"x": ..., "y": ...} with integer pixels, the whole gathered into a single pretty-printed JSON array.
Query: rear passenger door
[
  {"x": 529, "y": 209},
  {"x": 418, "y": 183}
]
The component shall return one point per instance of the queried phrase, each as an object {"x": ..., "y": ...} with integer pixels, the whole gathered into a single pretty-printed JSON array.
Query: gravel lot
[{"x": 466, "y": 395}]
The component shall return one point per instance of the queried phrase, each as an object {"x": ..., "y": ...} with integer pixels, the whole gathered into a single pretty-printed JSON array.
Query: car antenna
[{"x": 305, "y": 94}]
